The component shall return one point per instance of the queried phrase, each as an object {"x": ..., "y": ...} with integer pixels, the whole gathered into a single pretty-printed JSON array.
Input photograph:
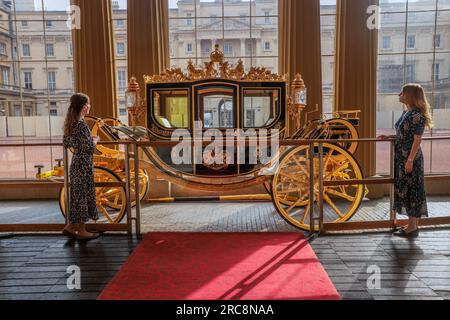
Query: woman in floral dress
[
  {"x": 410, "y": 195},
  {"x": 77, "y": 136}
]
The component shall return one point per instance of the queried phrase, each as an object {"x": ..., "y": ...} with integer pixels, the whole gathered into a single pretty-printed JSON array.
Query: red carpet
[{"x": 222, "y": 266}]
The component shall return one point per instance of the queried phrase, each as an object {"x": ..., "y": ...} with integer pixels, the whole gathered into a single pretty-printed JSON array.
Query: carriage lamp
[
  {"x": 133, "y": 101},
  {"x": 298, "y": 99}
]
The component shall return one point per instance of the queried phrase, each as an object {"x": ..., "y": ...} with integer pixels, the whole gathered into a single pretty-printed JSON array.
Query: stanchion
[
  {"x": 320, "y": 198},
  {"x": 136, "y": 191},
  {"x": 127, "y": 189},
  {"x": 66, "y": 184},
  {"x": 393, "y": 215},
  {"x": 312, "y": 217}
]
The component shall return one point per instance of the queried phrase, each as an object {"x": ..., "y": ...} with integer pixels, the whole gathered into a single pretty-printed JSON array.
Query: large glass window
[
  {"x": 328, "y": 36},
  {"x": 36, "y": 82},
  {"x": 419, "y": 51},
  {"x": 121, "y": 58},
  {"x": 244, "y": 29}
]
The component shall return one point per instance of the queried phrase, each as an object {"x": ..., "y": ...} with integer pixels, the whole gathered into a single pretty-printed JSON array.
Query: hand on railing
[{"x": 384, "y": 137}]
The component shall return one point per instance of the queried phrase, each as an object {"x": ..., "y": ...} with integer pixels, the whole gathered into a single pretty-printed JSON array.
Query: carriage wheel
[
  {"x": 343, "y": 129},
  {"x": 111, "y": 201},
  {"x": 144, "y": 186},
  {"x": 290, "y": 186}
]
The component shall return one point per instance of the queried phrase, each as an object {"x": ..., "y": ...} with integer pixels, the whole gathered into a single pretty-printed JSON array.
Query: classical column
[
  {"x": 93, "y": 49},
  {"x": 356, "y": 72},
  {"x": 300, "y": 47},
  {"x": 148, "y": 38}
]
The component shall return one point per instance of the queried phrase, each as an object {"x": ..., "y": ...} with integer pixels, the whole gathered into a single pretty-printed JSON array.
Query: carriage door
[{"x": 216, "y": 108}]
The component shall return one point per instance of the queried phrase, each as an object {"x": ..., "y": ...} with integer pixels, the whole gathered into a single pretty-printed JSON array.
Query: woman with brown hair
[
  {"x": 82, "y": 189},
  {"x": 410, "y": 196}
]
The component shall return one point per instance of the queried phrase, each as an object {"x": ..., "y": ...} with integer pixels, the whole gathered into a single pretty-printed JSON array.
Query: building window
[
  {"x": 50, "y": 50},
  {"x": 120, "y": 23},
  {"x": 49, "y": 23},
  {"x": 411, "y": 42},
  {"x": 437, "y": 71},
  {"x": 437, "y": 41},
  {"x": 213, "y": 17},
  {"x": 122, "y": 80},
  {"x": 189, "y": 48},
  {"x": 120, "y": 49},
  {"x": 3, "y": 48},
  {"x": 24, "y": 23},
  {"x": 28, "y": 80},
  {"x": 26, "y": 50},
  {"x": 53, "y": 111},
  {"x": 267, "y": 17},
  {"x": 386, "y": 42},
  {"x": 267, "y": 46},
  {"x": 410, "y": 73},
  {"x": 51, "y": 80},
  {"x": 189, "y": 19},
  {"x": 5, "y": 77},
  {"x": 70, "y": 49},
  {"x": 228, "y": 48}
]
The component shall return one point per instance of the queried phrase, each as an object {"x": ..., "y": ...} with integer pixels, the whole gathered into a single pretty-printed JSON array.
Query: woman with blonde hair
[
  {"x": 410, "y": 196},
  {"x": 77, "y": 136}
]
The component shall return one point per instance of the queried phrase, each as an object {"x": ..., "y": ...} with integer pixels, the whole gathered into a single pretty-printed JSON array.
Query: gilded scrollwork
[{"x": 216, "y": 68}]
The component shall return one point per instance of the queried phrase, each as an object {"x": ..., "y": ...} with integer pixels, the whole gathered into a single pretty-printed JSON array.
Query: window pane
[
  {"x": 392, "y": 33},
  {"x": 419, "y": 5},
  {"x": 444, "y": 4},
  {"x": 421, "y": 26},
  {"x": 264, "y": 8},
  {"x": 392, "y": 5},
  {"x": 390, "y": 73}
]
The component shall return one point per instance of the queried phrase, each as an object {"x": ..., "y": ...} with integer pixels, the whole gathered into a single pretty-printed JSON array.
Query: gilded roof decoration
[{"x": 216, "y": 68}]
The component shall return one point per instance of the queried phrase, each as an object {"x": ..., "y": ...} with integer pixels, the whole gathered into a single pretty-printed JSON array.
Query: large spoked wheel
[
  {"x": 111, "y": 201},
  {"x": 290, "y": 186},
  {"x": 144, "y": 185}
]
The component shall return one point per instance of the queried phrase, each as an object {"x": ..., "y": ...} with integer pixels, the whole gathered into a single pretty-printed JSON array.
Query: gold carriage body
[{"x": 226, "y": 99}]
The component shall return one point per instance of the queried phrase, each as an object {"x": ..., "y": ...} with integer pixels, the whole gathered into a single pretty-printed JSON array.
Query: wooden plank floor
[{"x": 34, "y": 267}]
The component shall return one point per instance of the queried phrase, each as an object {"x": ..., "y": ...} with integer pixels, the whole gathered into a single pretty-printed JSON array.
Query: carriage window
[
  {"x": 171, "y": 108},
  {"x": 217, "y": 107},
  {"x": 261, "y": 107}
]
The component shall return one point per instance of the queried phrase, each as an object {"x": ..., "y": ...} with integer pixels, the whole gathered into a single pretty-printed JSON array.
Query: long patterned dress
[
  {"x": 410, "y": 196},
  {"x": 82, "y": 188}
]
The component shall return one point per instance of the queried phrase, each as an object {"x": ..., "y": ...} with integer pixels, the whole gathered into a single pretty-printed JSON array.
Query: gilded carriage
[{"x": 225, "y": 105}]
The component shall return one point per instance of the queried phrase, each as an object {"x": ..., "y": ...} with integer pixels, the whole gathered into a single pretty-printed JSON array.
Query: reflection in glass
[
  {"x": 171, "y": 108},
  {"x": 261, "y": 107}
]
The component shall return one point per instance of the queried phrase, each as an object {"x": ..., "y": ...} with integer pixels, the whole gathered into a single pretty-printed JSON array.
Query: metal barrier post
[
  {"x": 320, "y": 199},
  {"x": 393, "y": 214},
  {"x": 136, "y": 191},
  {"x": 66, "y": 184},
  {"x": 312, "y": 218},
  {"x": 128, "y": 188}
]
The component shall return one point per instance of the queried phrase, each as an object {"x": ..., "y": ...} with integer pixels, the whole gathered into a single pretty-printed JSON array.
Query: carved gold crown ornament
[{"x": 216, "y": 68}]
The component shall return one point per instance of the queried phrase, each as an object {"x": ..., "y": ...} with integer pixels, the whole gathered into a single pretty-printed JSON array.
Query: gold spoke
[
  {"x": 340, "y": 194},
  {"x": 307, "y": 210},
  {"x": 294, "y": 205},
  {"x": 332, "y": 205},
  {"x": 105, "y": 213},
  {"x": 292, "y": 177}
]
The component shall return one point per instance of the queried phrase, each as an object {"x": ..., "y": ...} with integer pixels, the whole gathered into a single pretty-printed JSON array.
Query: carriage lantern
[
  {"x": 133, "y": 101},
  {"x": 298, "y": 99}
]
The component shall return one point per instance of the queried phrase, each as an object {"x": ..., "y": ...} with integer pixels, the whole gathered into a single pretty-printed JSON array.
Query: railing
[{"x": 317, "y": 216}]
